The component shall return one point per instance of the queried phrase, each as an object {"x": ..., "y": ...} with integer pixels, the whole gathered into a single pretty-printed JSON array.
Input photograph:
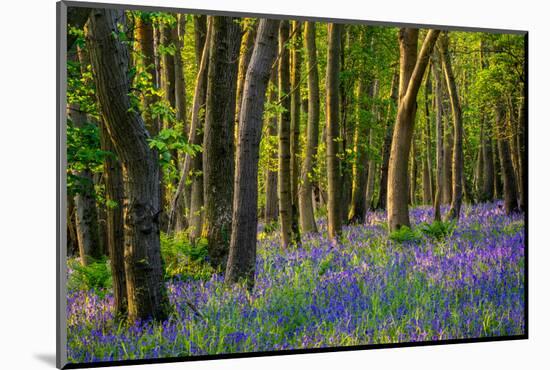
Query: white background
[{"x": 27, "y": 195}]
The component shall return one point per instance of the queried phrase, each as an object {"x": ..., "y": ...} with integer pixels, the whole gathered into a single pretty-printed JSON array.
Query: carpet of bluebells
[{"x": 366, "y": 290}]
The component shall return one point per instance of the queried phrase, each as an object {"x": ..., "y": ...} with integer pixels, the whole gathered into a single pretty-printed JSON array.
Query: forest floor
[{"x": 369, "y": 289}]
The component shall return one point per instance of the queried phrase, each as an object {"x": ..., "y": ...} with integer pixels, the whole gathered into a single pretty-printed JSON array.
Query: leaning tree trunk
[
  {"x": 242, "y": 252},
  {"x": 284, "y": 181},
  {"x": 334, "y": 175},
  {"x": 438, "y": 136},
  {"x": 307, "y": 217},
  {"x": 427, "y": 161},
  {"x": 506, "y": 168},
  {"x": 109, "y": 57},
  {"x": 412, "y": 71},
  {"x": 458, "y": 155},
  {"x": 295, "y": 102},
  {"x": 114, "y": 195},
  {"x": 219, "y": 133},
  {"x": 382, "y": 198}
]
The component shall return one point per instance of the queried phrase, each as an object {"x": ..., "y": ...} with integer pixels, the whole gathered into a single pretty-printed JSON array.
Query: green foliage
[
  {"x": 325, "y": 264},
  {"x": 271, "y": 227},
  {"x": 95, "y": 276},
  {"x": 405, "y": 234},
  {"x": 183, "y": 258},
  {"x": 438, "y": 229}
]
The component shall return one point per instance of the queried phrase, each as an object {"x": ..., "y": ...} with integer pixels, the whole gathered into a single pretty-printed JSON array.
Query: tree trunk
[
  {"x": 199, "y": 101},
  {"x": 506, "y": 168},
  {"x": 521, "y": 152},
  {"x": 488, "y": 167},
  {"x": 427, "y": 185},
  {"x": 178, "y": 34},
  {"x": 480, "y": 164},
  {"x": 242, "y": 252},
  {"x": 295, "y": 102},
  {"x": 334, "y": 174},
  {"x": 219, "y": 133},
  {"x": 358, "y": 194},
  {"x": 109, "y": 57},
  {"x": 114, "y": 195},
  {"x": 271, "y": 199},
  {"x": 497, "y": 189},
  {"x": 436, "y": 65},
  {"x": 371, "y": 171},
  {"x": 196, "y": 211},
  {"x": 458, "y": 155},
  {"x": 247, "y": 46},
  {"x": 146, "y": 47},
  {"x": 307, "y": 217},
  {"x": 382, "y": 198},
  {"x": 448, "y": 163},
  {"x": 412, "y": 173},
  {"x": 284, "y": 180},
  {"x": 412, "y": 71},
  {"x": 87, "y": 229}
]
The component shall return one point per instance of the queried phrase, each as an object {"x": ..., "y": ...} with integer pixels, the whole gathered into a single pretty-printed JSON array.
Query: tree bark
[
  {"x": 307, "y": 217},
  {"x": 371, "y": 171},
  {"x": 295, "y": 102},
  {"x": 439, "y": 148},
  {"x": 284, "y": 180},
  {"x": 242, "y": 252},
  {"x": 219, "y": 133},
  {"x": 334, "y": 173},
  {"x": 412, "y": 71},
  {"x": 109, "y": 57},
  {"x": 386, "y": 148},
  {"x": 196, "y": 211},
  {"x": 506, "y": 168},
  {"x": 458, "y": 155},
  {"x": 271, "y": 198},
  {"x": 87, "y": 229},
  {"x": 427, "y": 185},
  {"x": 199, "y": 101},
  {"x": 114, "y": 194},
  {"x": 358, "y": 195},
  {"x": 247, "y": 46},
  {"x": 522, "y": 121}
]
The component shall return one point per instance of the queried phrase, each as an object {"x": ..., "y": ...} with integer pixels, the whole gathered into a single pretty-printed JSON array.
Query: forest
[{"x": 242, "y": 184}]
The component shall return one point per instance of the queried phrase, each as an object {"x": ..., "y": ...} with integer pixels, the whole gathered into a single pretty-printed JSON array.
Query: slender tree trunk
[
  {"x": 242, "y": 252},
  {"x": 87, "y": 229},
  {"x": 196, "y": 211},
  {"x": 109, "y": 57},
  {"x": 307, "y": 218},
  {"x": 178, "y": 34},
  {"x": 295, "y": 102},
  {"x": 347, "y": 129},
  {"x": 146, "y": 46},
  {"x": 284, "y": 178},
  {"x": 199, "y": 102},
  {"x": 506, "y": 168},
  {"x": 412, "y": 71},
  {"x": 521, "y": 152},
  {"x": 458, "y": 155},
  {"x": 488, "y": 167},
  {"x": 359, "y": 200},
  {"x": 412, "y": 173},
  {"x": 167, "y": 65},
  {"x": 219, "y": 133},
  {"x": 497, "y": 189},
  {"x": 427, "y": 185},
  {"x": 448, "y": 163},
  {"x": 371, "y": 171},
  {"x": 480, "y": 164},
  {"x": 114, "y": 195},
  {"x": 386, "y": 148},
  {"x": 271, "y": 200},
  {"x": 438, "y": 136},
  {"x": 334, "y": 174},
  {"x": 247, "y": 46}
]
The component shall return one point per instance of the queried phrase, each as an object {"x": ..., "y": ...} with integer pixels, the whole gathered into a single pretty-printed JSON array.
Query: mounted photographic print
[{"x": 233, "y": 184}]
